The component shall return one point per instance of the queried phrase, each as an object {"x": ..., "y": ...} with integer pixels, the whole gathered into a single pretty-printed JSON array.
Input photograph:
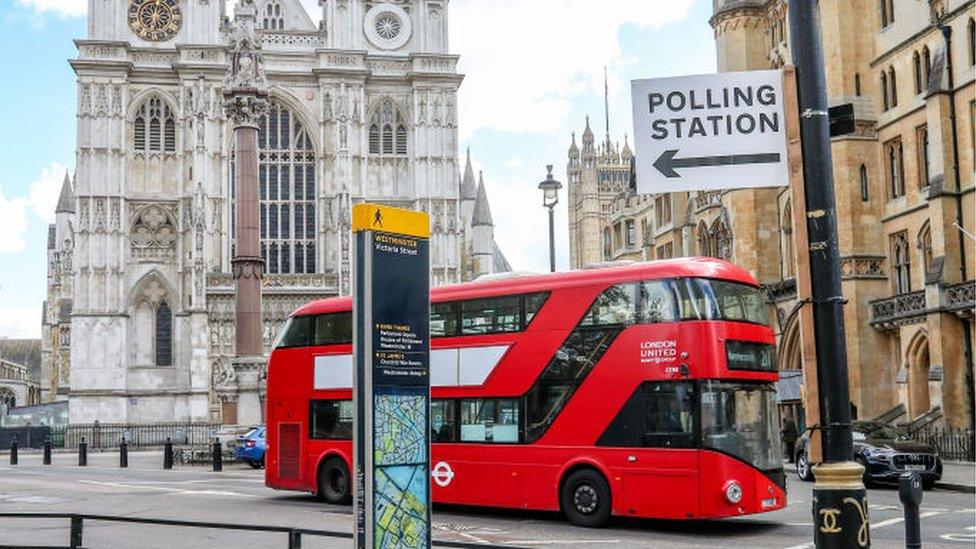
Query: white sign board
[{"x": 710, "y": 131}]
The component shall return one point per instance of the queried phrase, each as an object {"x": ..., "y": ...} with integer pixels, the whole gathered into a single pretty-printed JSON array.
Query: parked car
[
  {"x": 883, "y": 451},
  {"x": 250, "y": 447}
]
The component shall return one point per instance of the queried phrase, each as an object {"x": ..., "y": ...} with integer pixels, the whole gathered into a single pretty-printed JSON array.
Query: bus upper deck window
[
  {"x": 658, "y": 303},
  {"x": 296, "y": 332},
  {"x": 444, "y": 319},
  {"x": 616, "y": 305},
  {"x": 333, "y": 329}
]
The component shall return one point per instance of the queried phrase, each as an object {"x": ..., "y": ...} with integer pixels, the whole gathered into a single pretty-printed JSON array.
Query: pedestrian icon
[{"x": 378, "y": 218}]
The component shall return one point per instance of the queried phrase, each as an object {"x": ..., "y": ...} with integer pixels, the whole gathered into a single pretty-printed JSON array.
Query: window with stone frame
[
  {"x": 287, "y": 190},
  {"x": 387, "y": 130},
  {"x": 917, "y": 63},
  {"x": 721, "y": 240},
  {"x": 901, "y": 263},
  {"x": 863, "y": 176},
  {"x": 887, "y": 12},
  {"x": 971, "y": 38},
  {"x": 789, "y": 255},
  {"x": 926, "y": 67},
  {"x": 631, "y": 231},
  {"x": 894, "y": 168},
  {"x": 273, "y": 18},
  {"x": 893, "y": 87},
  {"x": 704, "y": 240},
  {"x": 925, "y": 247},
  {"x": 154, "y": 128},
  {"x": 665, "y": 251},
  {"x": 885, "y": 102},
  {"x": 922, "y": 155},
  {"x": 662, "y": 209},
  {"x": 607, "y": 244},
  {"x": 152, "y": 325}
]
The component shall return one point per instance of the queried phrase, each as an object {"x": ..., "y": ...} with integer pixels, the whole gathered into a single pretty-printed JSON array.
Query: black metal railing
[
  {"x": 293, "y": 536},
  {"x": 108, "y": 435},
  {"x": 952, "y": 444}
]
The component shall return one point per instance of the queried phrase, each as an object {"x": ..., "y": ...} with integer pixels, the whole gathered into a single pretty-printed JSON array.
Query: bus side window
[
  {"x": 333, "y": 329},
  {"x": 296, "y": 332},
  {"x": 489, "y": 420},
  {"x": 490, "y": 315},
  {"x": 657, "y": 415},
  {"x": 444, "y": 319},
  {"x": 658, "y": 303},
  {"x": 533, "y": 302},
  {"x": 330, "y": 419},
  {"x": 616, "y": 305},
  {"x": 443, "y": 424}
]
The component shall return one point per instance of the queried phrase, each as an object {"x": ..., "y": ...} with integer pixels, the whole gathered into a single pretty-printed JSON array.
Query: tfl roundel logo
[{"x": 442, "y": 474}]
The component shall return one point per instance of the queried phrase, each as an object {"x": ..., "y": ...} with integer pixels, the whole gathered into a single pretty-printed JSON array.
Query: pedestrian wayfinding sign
[
  {"x": 391, "y": 386},
  {"x": 710, "y": 131}
]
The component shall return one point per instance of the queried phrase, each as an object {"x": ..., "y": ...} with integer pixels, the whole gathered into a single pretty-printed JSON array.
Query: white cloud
[
  {"x": 45, "y": 190},
  {"x": 13, "y": 224},
  {"x": 525, "y": 60},
  {"x": 64, "y": 8},
  {"x": 20, "y": 321},
  {"x": 513, "y": 163}
]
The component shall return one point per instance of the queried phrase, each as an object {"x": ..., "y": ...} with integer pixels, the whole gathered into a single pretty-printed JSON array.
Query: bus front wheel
[
  {"x": 333, "y": 482},
  {"x": 585, "y": 498}
]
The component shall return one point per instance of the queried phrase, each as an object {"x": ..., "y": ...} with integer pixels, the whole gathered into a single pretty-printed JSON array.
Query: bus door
[{"x": 661, "y": 476}]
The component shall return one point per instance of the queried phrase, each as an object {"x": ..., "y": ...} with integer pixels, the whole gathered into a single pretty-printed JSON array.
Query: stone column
[{"x": 245, "y": 103}]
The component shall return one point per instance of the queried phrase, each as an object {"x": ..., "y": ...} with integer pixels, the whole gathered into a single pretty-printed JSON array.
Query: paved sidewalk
[{"x": 957, "y": 476}]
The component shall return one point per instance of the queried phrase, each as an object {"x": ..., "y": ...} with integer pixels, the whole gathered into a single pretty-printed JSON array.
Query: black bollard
[
  {"x": 13, "y": 451},
  {"x": 168, "y": 454},
  {"x": 123, "y": 453},
  {"x": 47, "y": 451},
  {"x": 218, "y": 460},
  {"x": 910, "y": 493},
  {"x": 82, "y": 453}
]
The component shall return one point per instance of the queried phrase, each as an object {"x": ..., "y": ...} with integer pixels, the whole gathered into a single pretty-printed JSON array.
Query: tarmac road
[{"x": 239, "y": 496}]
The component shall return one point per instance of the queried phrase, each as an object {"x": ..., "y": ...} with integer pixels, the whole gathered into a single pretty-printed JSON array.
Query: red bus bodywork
[{"x": 686, "y": 483}]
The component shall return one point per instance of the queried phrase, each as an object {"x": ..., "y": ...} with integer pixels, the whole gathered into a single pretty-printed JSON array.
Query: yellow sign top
[{"x": 387, "y": 219}]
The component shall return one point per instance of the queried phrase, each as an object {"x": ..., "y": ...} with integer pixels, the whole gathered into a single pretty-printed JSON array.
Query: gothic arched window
[
  {"x": 885, "y": 103},
  {"x": 164, "y": 335},
  {"x": 901, "y": 263},
  {"x": 917, "y": 62},
  {"x": 893, "y": 95},
  {"x": 925, "y": 246},
  {"x": 972, "y": 41},
  {"x": 387, "y": 131},
  {"x": 287, "y": 190},
  {"x": 927, "y": 65},
  {"x": 721, "y": 240},
  {"x": 151, "y": 325},
  {"x": 789, "y": 255},
  {"x": 154, "y": 128},
  {"x": 704, "y": 242},
  {"x": 863, "y": 174}
]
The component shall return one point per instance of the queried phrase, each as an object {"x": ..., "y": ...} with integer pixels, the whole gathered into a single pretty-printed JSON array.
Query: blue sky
[{"x": 533, "y": 70}]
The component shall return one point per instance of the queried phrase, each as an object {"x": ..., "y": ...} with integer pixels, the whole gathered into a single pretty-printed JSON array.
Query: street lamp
[{"x": 550, "y": 197}]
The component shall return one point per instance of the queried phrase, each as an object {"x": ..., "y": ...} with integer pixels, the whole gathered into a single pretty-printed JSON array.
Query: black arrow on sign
[{"x": 666, "y": 163}]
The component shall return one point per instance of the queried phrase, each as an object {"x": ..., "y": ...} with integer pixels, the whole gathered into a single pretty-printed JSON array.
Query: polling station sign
[
  {"x": 710, "y": 131},
  {"x": 391, "y": 385}
]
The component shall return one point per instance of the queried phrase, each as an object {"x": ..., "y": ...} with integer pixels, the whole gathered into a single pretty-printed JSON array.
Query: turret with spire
[{"x": 482, "y": 243}]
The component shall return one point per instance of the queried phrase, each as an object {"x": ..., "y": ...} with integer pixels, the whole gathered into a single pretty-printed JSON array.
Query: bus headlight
[{"x": 733, "y": 492}]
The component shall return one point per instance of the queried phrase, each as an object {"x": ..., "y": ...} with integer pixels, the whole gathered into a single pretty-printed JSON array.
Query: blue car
[{"x": 250, "y": 447}]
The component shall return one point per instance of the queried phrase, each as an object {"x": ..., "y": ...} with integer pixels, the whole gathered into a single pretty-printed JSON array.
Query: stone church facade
[
  {"x": 903, "y": 183},
  {"x": 138, "y": 324}
]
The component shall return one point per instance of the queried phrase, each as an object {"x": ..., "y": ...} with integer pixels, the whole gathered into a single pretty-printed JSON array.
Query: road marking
[
  {"x": 801, "y": 546},
  {"x": 896, "y": 520},
  {"x": 574, "y": 542},
  {"x": 177, "y": 491}
]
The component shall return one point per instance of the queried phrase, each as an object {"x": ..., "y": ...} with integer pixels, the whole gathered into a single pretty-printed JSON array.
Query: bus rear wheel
[
  {"x": 333, "y": 482},
  {"x": 585, "y": 498}
]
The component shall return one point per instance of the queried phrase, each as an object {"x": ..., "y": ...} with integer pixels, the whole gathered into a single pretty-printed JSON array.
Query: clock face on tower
[{"x": 155, "y": 20}]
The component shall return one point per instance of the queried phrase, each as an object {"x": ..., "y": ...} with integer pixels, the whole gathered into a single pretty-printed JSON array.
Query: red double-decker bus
[{"x": 642, "y": 390}]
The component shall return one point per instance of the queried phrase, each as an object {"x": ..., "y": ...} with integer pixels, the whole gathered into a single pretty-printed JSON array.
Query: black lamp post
[{"x": 550, "y": 197}]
